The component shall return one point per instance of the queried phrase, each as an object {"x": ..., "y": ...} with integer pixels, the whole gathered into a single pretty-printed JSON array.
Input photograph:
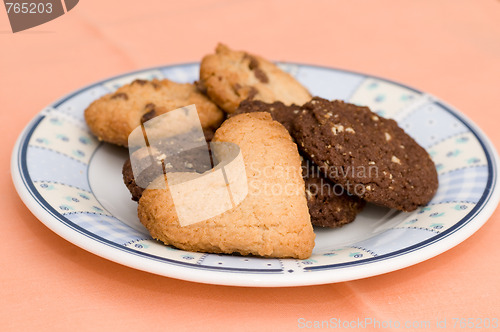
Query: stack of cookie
[{"x": 341, "y": 156}]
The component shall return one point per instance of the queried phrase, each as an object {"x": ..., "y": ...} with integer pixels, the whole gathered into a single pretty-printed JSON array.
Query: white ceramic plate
[{"x": 73, "y": 184}]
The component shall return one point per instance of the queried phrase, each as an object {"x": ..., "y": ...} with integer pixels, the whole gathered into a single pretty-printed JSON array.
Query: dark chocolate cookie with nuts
[
  {"x": 229, "y": 77},
  {"x": 368, "y": 155},
  {"x": 329, "y": 204},
  {"x": 113, "y": 117}
]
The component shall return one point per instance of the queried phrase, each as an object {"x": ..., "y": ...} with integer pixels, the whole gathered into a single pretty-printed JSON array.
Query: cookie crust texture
[
  {"x": 229, "y": 77},
  {"x": 114, "y": 116},
  {"x": 269, "y": 223}
]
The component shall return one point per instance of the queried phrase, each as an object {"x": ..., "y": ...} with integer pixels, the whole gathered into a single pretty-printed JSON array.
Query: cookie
[
  {"x": 280, "y": 112},
  {"x": 129, "y": 180},
  {"x": 368, "y": 155},
  {"x": 188, "y": 161},
  {"x": 271, "y": 221},
  {"x": 229, "y": 77},
  {"x": 113, "y": 117},
  {"x": 329, "y": 204}
]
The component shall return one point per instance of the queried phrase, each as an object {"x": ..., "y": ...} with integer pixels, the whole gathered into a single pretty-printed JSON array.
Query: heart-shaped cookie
[{"x": 273, "y": 219}]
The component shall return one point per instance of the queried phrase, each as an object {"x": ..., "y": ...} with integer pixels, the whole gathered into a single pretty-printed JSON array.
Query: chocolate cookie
[
  {"x": 280, "y": 112},
  {"x": 129, "y": 180},
  {"x": 114, "y": 116},
  {"x": 180, "y": 161},
  {"x": 329, "y": 204},
  {"x": 368, "y": 155},
  {"x": 229, "y": 77}
]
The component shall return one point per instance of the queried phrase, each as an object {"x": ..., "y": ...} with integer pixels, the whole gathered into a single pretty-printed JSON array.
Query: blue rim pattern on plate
[{"x": 387, "y": 98}]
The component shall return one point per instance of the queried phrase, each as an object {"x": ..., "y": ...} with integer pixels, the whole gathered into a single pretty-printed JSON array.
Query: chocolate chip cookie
[
  {"x": 114, "y": 116},
  {"x": 229, "y": 77}
]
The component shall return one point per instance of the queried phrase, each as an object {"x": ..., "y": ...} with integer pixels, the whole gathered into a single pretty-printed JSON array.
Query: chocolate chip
[
  {"x": 150, "y": 112},
  {"x": 236, "y": 88},
  {"x": 200, "y": 85},
  {"x": 260, "y": 75},
  {"x": 120, "y": 95},
  {"x": 253, "y": 91},
  {"x": 148, "y": 116},
  {"x": 253, "y": 62},
  {"x": 254, "y": 66},
  {"x": 155, "y": 85},
  {"x": 140, "y": 82}
]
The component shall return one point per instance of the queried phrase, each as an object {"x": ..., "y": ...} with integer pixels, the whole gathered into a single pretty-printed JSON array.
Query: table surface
[{"x": 448, "y": 48}]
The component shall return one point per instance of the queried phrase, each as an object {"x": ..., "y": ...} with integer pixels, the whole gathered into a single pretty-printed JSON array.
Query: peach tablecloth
[{"x": 449, "y": 48}]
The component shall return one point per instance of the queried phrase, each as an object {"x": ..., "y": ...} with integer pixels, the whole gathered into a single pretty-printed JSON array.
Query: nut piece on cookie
[
  {"x": 273, "y": 219},
  {"x": 229, "y": 77},
  {"x": 114, "y": 116},
  {"x": 368, "y": 155}
]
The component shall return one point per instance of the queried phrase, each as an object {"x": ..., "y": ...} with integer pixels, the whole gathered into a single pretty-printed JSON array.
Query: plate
[{"x": 72, "y": 183}]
